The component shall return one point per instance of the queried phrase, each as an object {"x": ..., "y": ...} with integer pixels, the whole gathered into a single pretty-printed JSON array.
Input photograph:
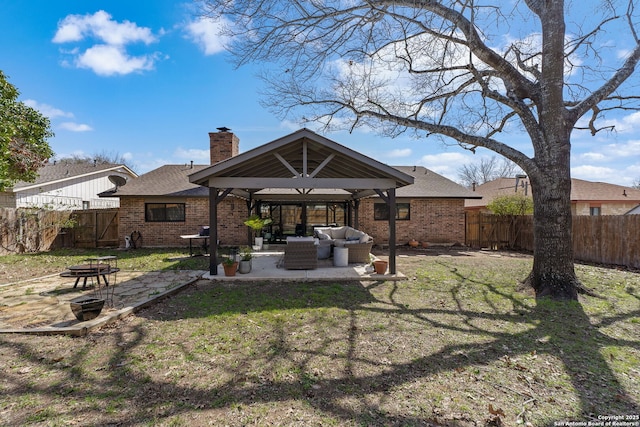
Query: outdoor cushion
[
  {"x": 324, "y": 249},
  {"x": 322, "y": 236},
  {"x": 353, "y": 234},
  {"x": 340, "y": 236}
]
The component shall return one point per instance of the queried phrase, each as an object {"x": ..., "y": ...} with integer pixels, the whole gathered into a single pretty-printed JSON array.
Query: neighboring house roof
[
  {"x": 428, "y": 184},
  {"x": 601, "y": 191},
  {"x": 634, "y": 211},
  {"x": 496, "y": 188},
  {"x": 167, "y": 180},
  {"x": 581, "y": 191},
  {"x": 62, "y": 171}
]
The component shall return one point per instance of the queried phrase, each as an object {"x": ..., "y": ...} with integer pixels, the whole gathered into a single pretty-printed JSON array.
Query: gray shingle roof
[
  {"x": 167, "y": 180},
  {"x": 428, "y": 184},
  {"x": 173, "y": 180},
  {"x": 581, "y": 191},
  {"x": 60, "y": 171}
]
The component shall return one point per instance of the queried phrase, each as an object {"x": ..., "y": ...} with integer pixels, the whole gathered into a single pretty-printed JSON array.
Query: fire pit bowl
[{"x": 86, "y": 308}]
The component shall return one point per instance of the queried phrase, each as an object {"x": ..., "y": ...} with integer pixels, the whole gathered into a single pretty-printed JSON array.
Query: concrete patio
[{"x": 266, "y": 266}]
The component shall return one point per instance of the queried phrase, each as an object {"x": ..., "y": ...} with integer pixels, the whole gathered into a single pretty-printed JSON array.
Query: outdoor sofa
[{"x": 358, "y": 242}]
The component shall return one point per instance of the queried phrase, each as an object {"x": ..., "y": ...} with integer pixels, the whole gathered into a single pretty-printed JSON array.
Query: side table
[{"x": 340, "y": 256}]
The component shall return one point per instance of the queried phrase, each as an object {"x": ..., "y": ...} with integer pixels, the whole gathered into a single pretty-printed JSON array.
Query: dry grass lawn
[{"x": 459, "y": 343}]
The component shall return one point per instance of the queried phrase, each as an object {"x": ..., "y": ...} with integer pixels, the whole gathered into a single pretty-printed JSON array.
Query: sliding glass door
[{"x": 299, "y": 219}]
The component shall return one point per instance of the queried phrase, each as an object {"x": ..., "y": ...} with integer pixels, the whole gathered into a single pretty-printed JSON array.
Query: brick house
[
  {"x": 587, "y": 197},
  {"x": 173, "y": 200}
]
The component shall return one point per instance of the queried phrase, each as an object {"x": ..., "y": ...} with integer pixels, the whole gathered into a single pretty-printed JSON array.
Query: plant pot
[
  {"x": 230, "y": 269},
  {"x": 425, "y": 245},
  {"x": 244, "y": 267},
  {"x": 380, "y": 266},
  {"x": 259, "y": 242},
  {"x": 86, "y": 308},
  {"x": 413, "y": 243}
]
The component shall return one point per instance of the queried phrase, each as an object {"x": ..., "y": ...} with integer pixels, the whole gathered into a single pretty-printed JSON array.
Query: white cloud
[
  {"x": 206, "y": 33},
  {"x": 148, "y": 162},
  {"x": 75, "y": 127},
  {"x": 592, "y": 157},
  {"x": 54, "y": 113},
  {"x": 446, "y": 164},
  {"x": 108, "y": 56},
  {"x": 100, "y": 25},
  {"x": 627, "y": 149},
  {"x": 107, "y": 60},
  {"x": 400, "y": 152},
  {"x": 47, "y": 110},
  {"x": 620, "y": 176},
  {"x": 187, "y": 154},
  {"x": 622, "y": 125}
]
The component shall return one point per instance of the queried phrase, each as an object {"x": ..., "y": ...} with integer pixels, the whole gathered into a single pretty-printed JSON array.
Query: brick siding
[
  {"x": 432, "y": 220},
  {"x": 231, "y": 214}
]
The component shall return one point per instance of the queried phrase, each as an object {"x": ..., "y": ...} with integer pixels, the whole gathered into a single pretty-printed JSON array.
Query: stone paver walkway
[{"x": 42, "y": 305}]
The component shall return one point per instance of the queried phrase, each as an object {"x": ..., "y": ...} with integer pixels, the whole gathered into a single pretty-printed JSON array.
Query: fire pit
[{"x": 86, "y": 308}]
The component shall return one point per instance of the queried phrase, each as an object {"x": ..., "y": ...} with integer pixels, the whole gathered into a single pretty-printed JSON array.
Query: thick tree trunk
[{"x": 553, "y": 274}]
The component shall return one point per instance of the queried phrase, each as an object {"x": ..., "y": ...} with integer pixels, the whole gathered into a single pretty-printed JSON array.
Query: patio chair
[
  {"x": 359, "y": 252},
  {"x": 300, "y": 254}
]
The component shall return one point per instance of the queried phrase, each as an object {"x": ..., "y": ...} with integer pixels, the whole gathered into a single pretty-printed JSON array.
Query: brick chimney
[{"x": 223, "y": 145}]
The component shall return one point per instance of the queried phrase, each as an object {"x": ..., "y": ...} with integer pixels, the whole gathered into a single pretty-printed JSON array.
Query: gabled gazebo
[{"x": 301, "y": 166}]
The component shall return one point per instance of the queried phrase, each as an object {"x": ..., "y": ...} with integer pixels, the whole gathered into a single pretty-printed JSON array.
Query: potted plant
[
  {"x": 245, "y": 260},
  {"x": 230, "y": 265},
  {"x": 257, "y": 224},
  {"x": 380, "y": 266}
]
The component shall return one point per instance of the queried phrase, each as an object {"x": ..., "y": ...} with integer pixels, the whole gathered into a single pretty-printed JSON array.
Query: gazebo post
[
  {"x": 391, "y": 192},
  {"x": 249, "y": 209},
  {"x": 356, "y": 214},
  {"x": 213, "y": 231}
]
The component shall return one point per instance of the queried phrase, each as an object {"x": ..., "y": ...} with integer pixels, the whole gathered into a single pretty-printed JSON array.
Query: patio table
[{"x": 192, "y": 237}]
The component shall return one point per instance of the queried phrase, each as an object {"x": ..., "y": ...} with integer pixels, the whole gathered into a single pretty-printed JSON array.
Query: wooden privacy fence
[
  {"x": 29, "y": 230},
  {"x": 35, "y": 230},
  {"x": 611, "y": 239}
]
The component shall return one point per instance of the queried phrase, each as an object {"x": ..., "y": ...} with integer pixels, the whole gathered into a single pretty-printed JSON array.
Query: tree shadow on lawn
[{"x": 488, "y": 336}]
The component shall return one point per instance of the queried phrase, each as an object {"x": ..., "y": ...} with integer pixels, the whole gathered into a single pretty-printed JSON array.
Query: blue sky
[{"x": 147, "y": 80}]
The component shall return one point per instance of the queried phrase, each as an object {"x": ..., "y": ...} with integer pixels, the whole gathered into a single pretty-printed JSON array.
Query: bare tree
[
  {"x": 100, "y": 158},
  {"x": 445, "y": 68},
  {"x": 487, "y": 170}
]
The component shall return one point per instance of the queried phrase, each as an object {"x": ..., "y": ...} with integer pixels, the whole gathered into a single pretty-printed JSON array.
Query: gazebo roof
[{"x": 302, "y": 162}]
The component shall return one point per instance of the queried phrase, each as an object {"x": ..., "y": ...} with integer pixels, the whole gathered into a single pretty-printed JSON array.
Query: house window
[
  {"x": 85, "y": 204},
  {"x": 164, "y": 212},
  {"x": 381, "y": 211},
  {"x": 594, "y": 211}
]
